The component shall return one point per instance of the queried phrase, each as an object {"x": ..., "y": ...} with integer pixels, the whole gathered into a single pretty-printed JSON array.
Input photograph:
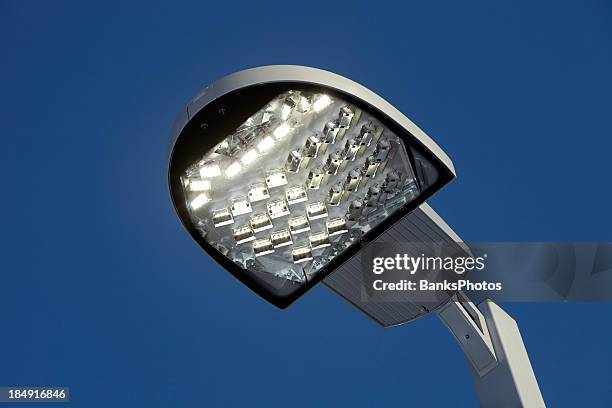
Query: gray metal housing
[{"x": 423, "y": 226}]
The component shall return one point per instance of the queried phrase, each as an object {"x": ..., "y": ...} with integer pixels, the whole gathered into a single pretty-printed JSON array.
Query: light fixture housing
[{"x": 320, "y": 151}]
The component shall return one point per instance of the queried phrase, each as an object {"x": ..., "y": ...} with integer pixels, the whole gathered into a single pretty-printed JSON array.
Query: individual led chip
[
  {"x": 352, "y": 181},
  {"x": 301, "y": 254},
  {"x": 275, "y": 178},
  {"x": 243, "y": 234},
  {"x": 260, "y": 222},
  {"x": 336, "y": 226},
  {"x": 197, "y": 184},
  {"x": 298, "y": 224},
  {"x": 265, "y": 144},
  {"x": 294, "y": 161},
  {"x": 288, "y": 105},
  {"x": 210, "y": 170},
  {"x": 317, "y": 210},
  {"x": 345, "y": 117},
  {"x": 315, "y": 177},
  {"x": 240, "y": 206},
  {"x": 373, "y": 196},
  {"x": 392, "y": 181},
  {"x": 330, "y": 132},
  {"x": 383, "y": 147},
  {"x": 370, "y": 167},
  {"x": 311, "y": 147},
  {"x": 366, "y": 135},
  {"x": 281, "y": 238},
  {"x": 233, "y": 169},
  {"x": 199, "y": 201},
  {"x": 319, "y": 240},
  {"x": 304, "y": 104},
  {"x": 295, "y": 195},
  {"x": 258, "y": 192},
  {"x": 355, "y": 210},
  {"x": 281, "y": 131},
  {"x": 351, "y": 148},
  {"x": 222, "y": 217},
  {"x": 277, "y": 208},
  {"x": 263, "y": 247},
  {"x": 335, "y": 195},
  {"x": 249, "y": 157},
  {"x": 333, "y": 163},
  {"x": 321, "y": 103}
]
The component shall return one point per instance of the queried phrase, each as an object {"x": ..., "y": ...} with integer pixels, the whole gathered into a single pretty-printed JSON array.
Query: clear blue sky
[{"x": 104, "y": 292}]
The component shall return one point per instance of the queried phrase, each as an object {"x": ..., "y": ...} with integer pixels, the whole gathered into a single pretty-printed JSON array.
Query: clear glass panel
[{"x": 296, "y": 184}]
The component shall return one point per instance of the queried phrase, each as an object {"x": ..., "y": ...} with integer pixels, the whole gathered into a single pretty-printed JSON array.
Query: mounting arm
[{"x": 497, "y": 359}]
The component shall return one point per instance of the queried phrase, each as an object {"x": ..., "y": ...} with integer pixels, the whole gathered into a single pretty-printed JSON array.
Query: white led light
[
  {"x": 352, "y": 181},
  {"x": 382, "y": 150},
  {"x": 277, "y": 208},
  {"x": 351, "y": 148},
  {"x": 345, "y": 117},
  {"x": 319, "y": 240},
  {"x": 304, "y": 104},
  {"x": 222, "y": 217},
  {"x": 198, "y": 184},
  {"x": 276, "y": 178},
  {"x": 336, "y": 226},
  {"x": 249, "y": 157},
  {"x": 243, "y": 234},
  {"x": 370, "y": 167},
  {"x": 265, "y": 144},
  {"x": 298, "y": 224},
  {"x": 199, "y": 201},
  {"x": 281, "y": 131},
  {"x": 301, "y": 254},
  {"x": 314, "y": 179},
  {"x": 335, "y": 194},
  {"x": 294, "y": 161},
  {"x": 263, "y": 247},
  {"x": 321, "y": 103},
  {"x": 233, "y": 169},
  {"x": 260, "y": 222},
  {"x": 295, "y": 195},
  {"x": 332, "y": 165},
  {"x": 240, "y": 206},
  {"x": 311, "y": 147},
  {"x": 281, "y": 238},
  {"x": 210, "y": 170},
  {"x": 330, "y": 132},
  {"x": 366, "y": 135},
  {"x": 285, "y": 111},
  {"x": 258, "y": 192},
  {"x": 317, "y": 210}
]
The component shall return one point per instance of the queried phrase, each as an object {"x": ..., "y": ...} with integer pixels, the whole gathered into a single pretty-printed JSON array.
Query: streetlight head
[{"x": 281, "y": 173}]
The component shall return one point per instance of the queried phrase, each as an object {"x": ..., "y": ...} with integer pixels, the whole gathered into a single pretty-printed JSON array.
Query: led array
[{"x": 329, "y": 181}]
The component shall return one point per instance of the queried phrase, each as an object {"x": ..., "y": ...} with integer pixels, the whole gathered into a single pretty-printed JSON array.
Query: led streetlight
[{"x": 283, "y": 173}]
